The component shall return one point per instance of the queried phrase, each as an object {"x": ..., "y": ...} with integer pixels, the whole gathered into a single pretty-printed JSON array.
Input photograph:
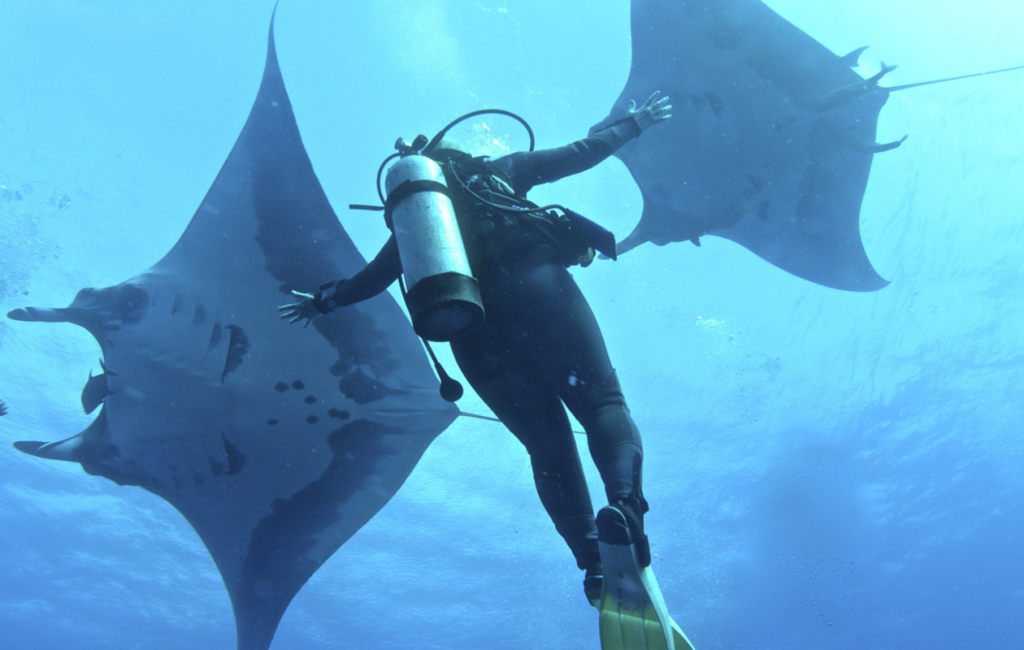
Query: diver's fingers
[
  {"x": 659, "y": 106},
  {"x": 650, "y": 100},
  {"x": 305, "y": 296}
]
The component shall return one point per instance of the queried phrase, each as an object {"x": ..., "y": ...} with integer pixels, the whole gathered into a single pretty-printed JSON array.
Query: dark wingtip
[
  {"x": 880, "y": 283},
  {"x": 863, "y": 280},
  {"x": 272, "y": 66},
  {"x": 273, "y": 16},
  {"x": 876, "y": 284}
]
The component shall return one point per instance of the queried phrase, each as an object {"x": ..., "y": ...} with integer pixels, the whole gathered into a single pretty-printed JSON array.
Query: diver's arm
[
  {"x": 530, "y": 168},
  {"x": 527, "y": 169},
  {"x": 367, "y": 283},
  {"x": 373, "y": 279}
]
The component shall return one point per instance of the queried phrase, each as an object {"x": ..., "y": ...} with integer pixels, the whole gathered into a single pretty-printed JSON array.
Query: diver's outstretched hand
[
  {"x": 305, "y": 309},
  {"x": 653, "y": 111}
]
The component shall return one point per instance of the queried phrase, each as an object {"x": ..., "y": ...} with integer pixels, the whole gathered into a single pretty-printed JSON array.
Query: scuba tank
[{"x": 443, "y": 297}]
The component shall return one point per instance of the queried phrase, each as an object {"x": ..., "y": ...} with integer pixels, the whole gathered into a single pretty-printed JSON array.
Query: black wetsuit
[{"x": 540, "y": 347}]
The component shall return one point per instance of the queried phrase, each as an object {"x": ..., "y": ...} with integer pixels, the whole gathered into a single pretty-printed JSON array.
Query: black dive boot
[
  {"x": 634, "y": 510},
  {"x": 622, "y": 524}
]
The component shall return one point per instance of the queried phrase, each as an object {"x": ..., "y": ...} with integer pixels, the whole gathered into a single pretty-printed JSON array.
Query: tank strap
[{"x": 407, "y": 189}]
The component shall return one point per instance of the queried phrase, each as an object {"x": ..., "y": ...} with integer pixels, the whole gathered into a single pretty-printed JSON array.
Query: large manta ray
[
  {"x": 772, "y": 142},
  {"x": 277, "y": 444}
]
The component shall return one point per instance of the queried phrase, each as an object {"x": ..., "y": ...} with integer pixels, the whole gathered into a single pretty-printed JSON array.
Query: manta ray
[
  {"x": 278, "y": 443},
  {"x": 772, "y": 141}
]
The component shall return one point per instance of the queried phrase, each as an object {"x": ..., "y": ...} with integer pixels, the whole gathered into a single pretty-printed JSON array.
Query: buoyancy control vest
[{"x": 500, "y": 226}]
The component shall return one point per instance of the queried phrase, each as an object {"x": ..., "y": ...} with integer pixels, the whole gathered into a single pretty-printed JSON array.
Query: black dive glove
[
  {"x": 311, "y": 305},
  {"x": 655, "y": 109}
]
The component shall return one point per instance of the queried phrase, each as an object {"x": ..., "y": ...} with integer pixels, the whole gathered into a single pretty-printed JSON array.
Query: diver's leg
[
  {"x": 535, "y": 415},
  {"x": 612, "y": 436},
  {"x": 632, "y": 610},
  {"x": 568, "y": 338}
]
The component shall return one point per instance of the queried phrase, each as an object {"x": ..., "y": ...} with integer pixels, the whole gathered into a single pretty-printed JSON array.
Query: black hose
[
  {"x": 451, "y": 390},
  {"x": 484, "y": 111},
  {"x": 432, "y": 144}
]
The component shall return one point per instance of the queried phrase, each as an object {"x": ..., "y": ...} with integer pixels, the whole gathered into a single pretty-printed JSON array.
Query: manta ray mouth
[{"x": 94, "y": 393}]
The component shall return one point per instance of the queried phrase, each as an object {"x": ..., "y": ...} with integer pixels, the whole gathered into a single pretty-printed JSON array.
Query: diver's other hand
[
  {"x": 653, "y": 111},
  {"x": 307, "y": 308}
]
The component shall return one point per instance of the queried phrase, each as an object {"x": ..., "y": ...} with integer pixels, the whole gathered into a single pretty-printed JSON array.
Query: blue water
[{"x": 827, "y": 470}]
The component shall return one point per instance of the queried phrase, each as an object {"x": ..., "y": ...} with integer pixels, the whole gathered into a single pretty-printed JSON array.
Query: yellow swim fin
[{"x": 633, "y": 615}]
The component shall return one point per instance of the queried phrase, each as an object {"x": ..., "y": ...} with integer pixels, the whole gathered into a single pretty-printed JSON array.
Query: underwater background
[{"x": 827, "y": 470}]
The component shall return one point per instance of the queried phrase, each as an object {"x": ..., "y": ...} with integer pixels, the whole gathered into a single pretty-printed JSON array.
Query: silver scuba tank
[{"x": 443, "y": 297}]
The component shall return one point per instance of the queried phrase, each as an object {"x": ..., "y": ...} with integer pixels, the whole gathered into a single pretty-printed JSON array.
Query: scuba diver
[{"x": 536, "y": 349}]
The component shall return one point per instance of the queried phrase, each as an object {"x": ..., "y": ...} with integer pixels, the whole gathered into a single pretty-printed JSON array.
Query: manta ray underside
[
  {"x": 772, "y": 140},
  {"x": 749, "y": 155},
  {"x": 277, "y": 443}
]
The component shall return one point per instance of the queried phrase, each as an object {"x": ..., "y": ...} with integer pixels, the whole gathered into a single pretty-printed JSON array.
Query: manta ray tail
[{"x": 965, "y": 76}]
